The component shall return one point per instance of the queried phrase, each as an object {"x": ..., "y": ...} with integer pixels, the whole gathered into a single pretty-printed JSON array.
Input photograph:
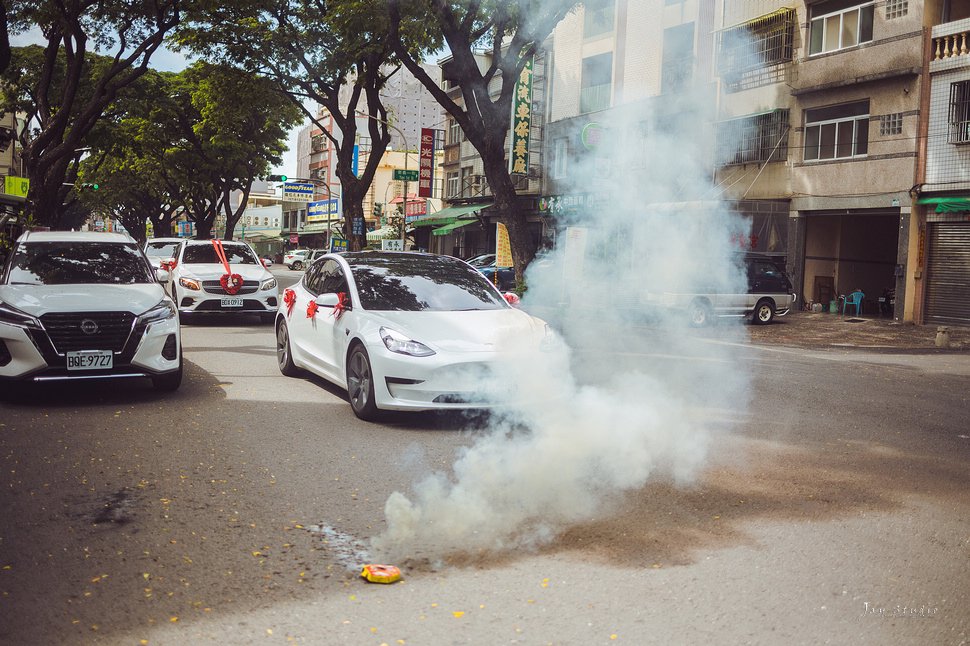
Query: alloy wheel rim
[
  {"x": 359, "y": 381},
  {"x": 282, "y": 345}
]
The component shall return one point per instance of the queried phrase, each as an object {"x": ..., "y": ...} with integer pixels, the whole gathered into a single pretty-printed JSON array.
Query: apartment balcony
[{"x": 951, "y": 46}]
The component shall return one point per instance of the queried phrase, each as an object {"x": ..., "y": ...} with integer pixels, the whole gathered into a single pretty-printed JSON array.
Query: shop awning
[
  {"x": 457, "y": 224},
  {"x": 947, "y": 204},
  {"x": 448, "y": 215}
]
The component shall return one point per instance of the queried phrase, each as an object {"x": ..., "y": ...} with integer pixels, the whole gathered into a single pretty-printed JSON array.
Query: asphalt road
[{"x": 831, "y": 506}]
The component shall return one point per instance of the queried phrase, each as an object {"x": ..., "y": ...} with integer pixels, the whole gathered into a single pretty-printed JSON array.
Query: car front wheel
[
  {"x": 699, "y": 313},
  {"x": 764, "y": 312},
  {"x": 170, "y": 381},
  {"x": 284, "y": 356},
  {"x": 360, "y": 384}
]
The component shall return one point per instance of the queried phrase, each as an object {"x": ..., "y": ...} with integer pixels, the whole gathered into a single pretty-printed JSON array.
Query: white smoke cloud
[{"x": 626, "y": 398}]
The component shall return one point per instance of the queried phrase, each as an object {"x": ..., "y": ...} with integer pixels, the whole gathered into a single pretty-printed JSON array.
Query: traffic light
[
  {"x": 90, "y": 185},
  {"x": 277, "y": 178}
]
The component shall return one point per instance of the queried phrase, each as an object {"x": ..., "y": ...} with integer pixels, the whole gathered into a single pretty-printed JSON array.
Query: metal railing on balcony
[{"x": 595, "y": 97}]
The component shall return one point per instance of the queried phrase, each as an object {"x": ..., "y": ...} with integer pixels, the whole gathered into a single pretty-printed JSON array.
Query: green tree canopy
[
  {"x": 188, "y": 145},
  {"x": 64, "y": 86},
  {"x": 334, "y": 53}
]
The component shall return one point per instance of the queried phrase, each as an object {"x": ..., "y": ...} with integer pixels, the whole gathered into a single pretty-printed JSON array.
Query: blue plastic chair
[{"x": 853, "y": 300}]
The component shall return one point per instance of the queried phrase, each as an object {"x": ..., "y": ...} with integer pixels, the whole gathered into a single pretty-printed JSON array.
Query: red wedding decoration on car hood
[{"x": 231, "y": 283}]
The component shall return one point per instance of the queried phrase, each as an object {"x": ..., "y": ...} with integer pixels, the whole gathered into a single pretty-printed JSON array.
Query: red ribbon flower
[
  {"x": 342, "y": 303},
  {"x": 311, "y": 309},
  {"x": 231, "y": 283},
  {"x": 511, "y": 298},
  {"x": 289, "y": 299}
]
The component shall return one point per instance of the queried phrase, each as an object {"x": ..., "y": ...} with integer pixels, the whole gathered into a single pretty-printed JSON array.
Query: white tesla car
[
  {"x": 86, "y": 305},
  {"x": 404, "y": 331},
  {"x": 222, "y": 277}
]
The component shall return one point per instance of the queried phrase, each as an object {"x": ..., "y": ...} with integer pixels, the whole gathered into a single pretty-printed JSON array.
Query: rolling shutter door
[{"x": 948, "y": 273}]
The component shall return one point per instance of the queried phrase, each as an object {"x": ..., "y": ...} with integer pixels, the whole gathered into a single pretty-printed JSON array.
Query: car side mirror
[
  {"x": 327, "y": 300},
  {"x": 162, "y": 275}
]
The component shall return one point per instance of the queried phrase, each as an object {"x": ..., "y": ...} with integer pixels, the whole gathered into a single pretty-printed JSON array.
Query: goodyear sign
[{"x": 298, "y": 191}]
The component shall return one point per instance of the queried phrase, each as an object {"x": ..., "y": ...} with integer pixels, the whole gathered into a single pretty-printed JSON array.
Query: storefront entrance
[{"x": 846, "y": 252}]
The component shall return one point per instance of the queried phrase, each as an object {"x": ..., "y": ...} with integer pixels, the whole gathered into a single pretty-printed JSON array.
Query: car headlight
[
  {"x": 397, "y": 342},
  {"x": 162, "y": 312},
  {"x": 188, "y": 283},
  {"x": 269, "y": 283},
  {"x": 12, "y": 316}
]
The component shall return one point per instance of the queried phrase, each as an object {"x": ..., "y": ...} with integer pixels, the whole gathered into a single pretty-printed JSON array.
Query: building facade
[{"x": 938, "y": 280}]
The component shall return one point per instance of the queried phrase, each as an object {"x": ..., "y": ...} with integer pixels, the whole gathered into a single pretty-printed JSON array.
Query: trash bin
[{"x": 834, "y": 307}]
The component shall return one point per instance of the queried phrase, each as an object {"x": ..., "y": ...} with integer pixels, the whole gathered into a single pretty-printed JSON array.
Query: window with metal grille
[
  {"x": 959, "y": 113},
  {"x": 837, "y": 132},
  {"x": 891, "y": 124},
  {"x": 758, "y": 138},
  {"x": 596, "y": 85},
  {"x": 754, "y": 53},
  {"x": 896, "y": 8}
]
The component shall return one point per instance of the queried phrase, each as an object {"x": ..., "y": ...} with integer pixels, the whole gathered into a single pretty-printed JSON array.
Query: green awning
[
  {"x": 947, "y": 204},
  {"x": 448, "y": 215},
  {"x": 457, "y": 224}
]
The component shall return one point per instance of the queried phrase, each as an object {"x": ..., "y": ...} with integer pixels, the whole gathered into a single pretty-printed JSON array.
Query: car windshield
[
  {"x": 205, "y": 254},
  {"x": 72, "y": 263},
  {"x": 414, "y": 283},
  {"x": 161, "y": 249}
]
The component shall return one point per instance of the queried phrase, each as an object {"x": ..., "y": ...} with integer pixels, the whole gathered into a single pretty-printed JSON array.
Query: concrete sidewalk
[{"x": 823, "y": 330}]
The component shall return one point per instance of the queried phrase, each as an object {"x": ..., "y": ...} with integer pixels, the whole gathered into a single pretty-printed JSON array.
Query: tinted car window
[
  {"x": 333, "y": 279},
  {"x": 311, "y": 279},
  {"x": 71, "y": 263},
  {"x": 206, "y": 254},
  {"x": 161, "y": 249},
  {"x": 414, "y": 283}
]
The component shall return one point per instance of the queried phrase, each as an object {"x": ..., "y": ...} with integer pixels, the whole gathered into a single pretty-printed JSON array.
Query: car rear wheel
[
  {"x": 764, "y": 312},
  {"x": 360, "y": 384},
  {"x": 284, "y": 356},
  {"x": 699, "y": 313},
  {"x": 170, "y": 381},
  {"x": 297, "y": 266}
]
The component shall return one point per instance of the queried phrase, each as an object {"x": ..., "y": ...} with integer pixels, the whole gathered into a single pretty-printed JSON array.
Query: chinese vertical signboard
[
  {"x": 521, "y": 121},
  {"x": 503, "y": 250},
  {"x": 426, "y": 163}
]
